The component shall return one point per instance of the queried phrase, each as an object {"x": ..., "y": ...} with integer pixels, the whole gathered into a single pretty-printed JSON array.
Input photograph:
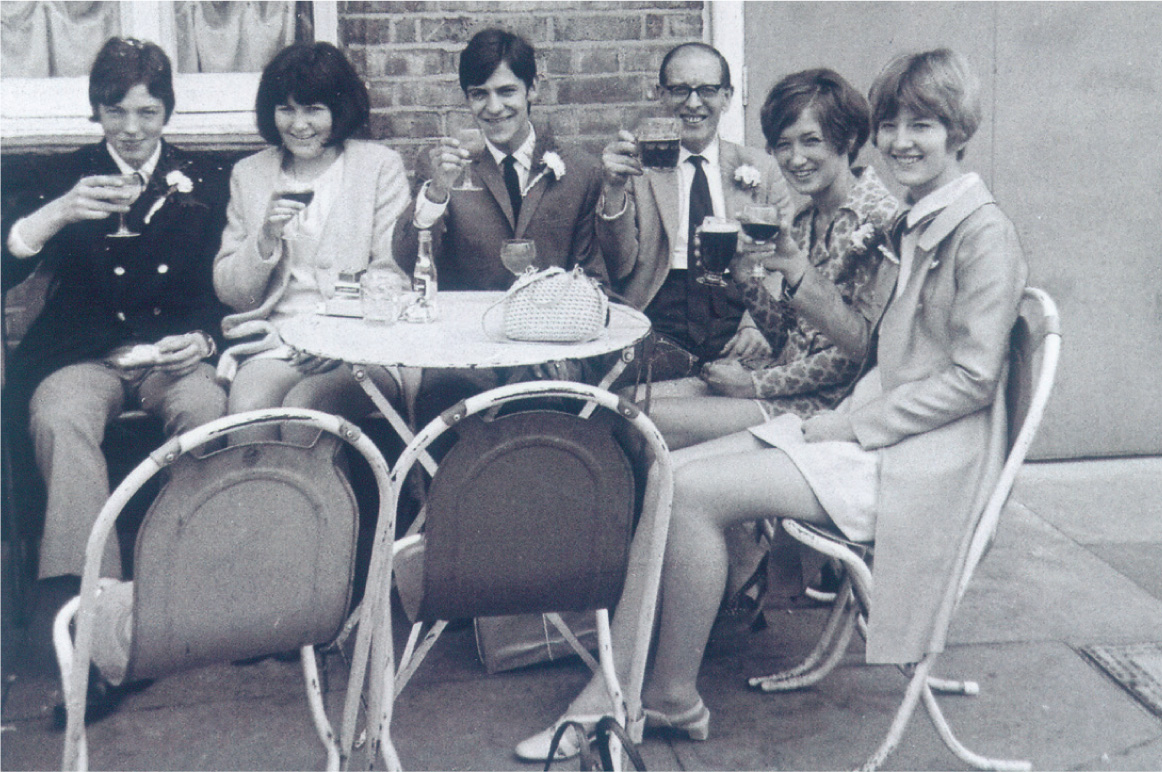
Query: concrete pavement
[{"x": 1076, "y": 561}]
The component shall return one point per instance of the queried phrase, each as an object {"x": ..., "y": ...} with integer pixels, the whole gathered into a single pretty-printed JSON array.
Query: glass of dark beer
[
  {"x": 657, "y": 141},
  {"x": 719, "y": 241}
]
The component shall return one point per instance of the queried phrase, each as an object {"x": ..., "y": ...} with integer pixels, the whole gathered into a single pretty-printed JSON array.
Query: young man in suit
[
  {"x": 127, "y": 321},
  {"x": 528, "y": 187},
  {"x": 647, "y": 217}
]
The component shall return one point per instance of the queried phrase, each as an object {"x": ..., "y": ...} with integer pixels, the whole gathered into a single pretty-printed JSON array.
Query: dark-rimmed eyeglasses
[{"x": 682, "y": 92}]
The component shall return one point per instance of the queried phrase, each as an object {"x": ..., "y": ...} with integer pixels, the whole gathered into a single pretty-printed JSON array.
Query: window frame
[{"x": 213, "y": 109}]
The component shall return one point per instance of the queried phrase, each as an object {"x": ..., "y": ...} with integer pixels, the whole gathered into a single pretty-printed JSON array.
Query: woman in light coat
[
  {"x": 902, "y": 458},
  {"x": 312, "y": 206}
]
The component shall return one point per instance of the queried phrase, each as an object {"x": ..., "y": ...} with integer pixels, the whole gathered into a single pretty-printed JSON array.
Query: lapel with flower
[
  {"x": 172, "y": 185},
  {"x": 548, "y": 169},
  {"x": 741, "y": 181}
]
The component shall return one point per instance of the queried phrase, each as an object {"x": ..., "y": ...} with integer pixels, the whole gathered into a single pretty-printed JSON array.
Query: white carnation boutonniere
[
  {"x": 177, "y": 182},
  {"x": 862, "y": 237},
  {"x": 552, "y": 164},
  {"x": 748, "y": 177}
]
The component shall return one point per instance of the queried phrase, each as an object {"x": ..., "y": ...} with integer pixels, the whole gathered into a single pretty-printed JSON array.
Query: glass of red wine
[
  {"x": 302, "y": 196},
  {"x": 761, "y": 224}
]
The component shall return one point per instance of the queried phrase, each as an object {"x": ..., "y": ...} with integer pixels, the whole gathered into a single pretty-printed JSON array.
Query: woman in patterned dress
[{"x": 815, "y": 124}]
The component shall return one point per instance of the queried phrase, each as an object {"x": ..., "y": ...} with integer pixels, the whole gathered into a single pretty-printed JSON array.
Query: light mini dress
[{"x": 843, "y": 476}]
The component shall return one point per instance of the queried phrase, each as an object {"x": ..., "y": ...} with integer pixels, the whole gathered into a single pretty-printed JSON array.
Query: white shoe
[{"x": 536, "y": 748}]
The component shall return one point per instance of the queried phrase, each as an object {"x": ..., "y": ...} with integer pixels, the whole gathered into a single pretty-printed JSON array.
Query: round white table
[{"x": 456, "y": 340}]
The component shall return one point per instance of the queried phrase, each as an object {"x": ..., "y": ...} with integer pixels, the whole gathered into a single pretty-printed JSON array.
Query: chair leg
[
  {"x": 916, "y": 685},
  {"x": 954, "y": 745},
  {"x": 62, "y": 643},
  {"x": 612, "y": 685},
  {"x": 410, "y": 661},
  {"x": 318, "y": 710},
  {"x": 823, "y": 658}
]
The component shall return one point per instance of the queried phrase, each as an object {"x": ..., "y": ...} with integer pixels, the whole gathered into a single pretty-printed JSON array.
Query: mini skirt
[{"x": 843, "y": 476}]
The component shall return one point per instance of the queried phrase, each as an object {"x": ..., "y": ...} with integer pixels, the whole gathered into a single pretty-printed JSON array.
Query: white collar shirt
[{"x": 713, "y": 169}]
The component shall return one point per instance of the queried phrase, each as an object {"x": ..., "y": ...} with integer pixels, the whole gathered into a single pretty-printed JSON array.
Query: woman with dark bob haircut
[
  {"x": 815, "y": 124},
  {"x": 314, "y": 205}
]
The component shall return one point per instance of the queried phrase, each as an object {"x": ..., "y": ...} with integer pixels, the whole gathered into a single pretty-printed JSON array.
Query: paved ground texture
[{"x": 1076, "y": 563}]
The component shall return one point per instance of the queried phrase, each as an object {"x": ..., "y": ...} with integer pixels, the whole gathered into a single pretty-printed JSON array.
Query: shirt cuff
[
  {"x": 427, "y": 211},
  {"x": 610, "y": 217},
  {"x": 18, "y": 246}
]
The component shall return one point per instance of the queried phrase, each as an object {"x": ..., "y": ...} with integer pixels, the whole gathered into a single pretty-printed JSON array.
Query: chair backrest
[
  {"x": 528, "y": 512},
  {"x": 1034, "y": 348},
  {"x": 227, "y": 529},
  {"x": 246, "y": 551}
]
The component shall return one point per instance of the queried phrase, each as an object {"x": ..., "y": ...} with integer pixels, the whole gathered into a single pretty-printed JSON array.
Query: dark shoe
[{"x": 101, "y": 699}]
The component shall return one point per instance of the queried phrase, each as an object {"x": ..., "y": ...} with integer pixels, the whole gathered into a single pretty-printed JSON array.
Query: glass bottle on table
[{"x": 425, "y": 308}]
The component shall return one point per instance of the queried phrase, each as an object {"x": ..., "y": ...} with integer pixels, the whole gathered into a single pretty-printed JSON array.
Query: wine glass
[
  {"x": 137, "y": 186},
  {"x": 761, "y": 223},
  {"x": 518, "y": 255},
  {"x": 471, "y": 140},
  {"x": 290, "y": 190}
]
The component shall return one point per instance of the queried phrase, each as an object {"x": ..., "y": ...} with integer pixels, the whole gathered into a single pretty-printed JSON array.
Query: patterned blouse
[{"x": 806, "y": 373}]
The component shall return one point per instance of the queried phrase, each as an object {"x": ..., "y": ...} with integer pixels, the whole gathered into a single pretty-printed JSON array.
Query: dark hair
[
  {"x": 698, "y": 47},
  {"x": 123, "y": 63},
  {"x": 936, "y": 83},
  {"x": 488, "y": 49},
  {"x": 312, "y": 73},
  {"x": 842, "y": 111}
]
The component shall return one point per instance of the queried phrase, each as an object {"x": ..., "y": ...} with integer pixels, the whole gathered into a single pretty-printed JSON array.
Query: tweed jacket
[
  {"x": 943, "y": 342},
  {"x": 637, "y": 244},
  {"x": 357, "y": 233},
  {"x": 107, "y": 292},
  {"x": 556, "y": 213}
]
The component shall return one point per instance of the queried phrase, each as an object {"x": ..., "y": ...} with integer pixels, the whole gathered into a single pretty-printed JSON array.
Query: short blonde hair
[{"x": 937, "y": 83}]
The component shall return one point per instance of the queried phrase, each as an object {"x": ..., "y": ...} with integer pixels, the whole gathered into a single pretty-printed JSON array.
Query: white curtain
[
  {"x": 54, "y": 39},
  {"x": 231, "y": 36}
]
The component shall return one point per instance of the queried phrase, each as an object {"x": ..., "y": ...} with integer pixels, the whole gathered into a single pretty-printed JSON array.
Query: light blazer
[
  {"x": 943, "y": 344},
  {"x": 555, "y": 213},
  {"x": 357, "y": 233},
  {"x": 637, "y": 244}
]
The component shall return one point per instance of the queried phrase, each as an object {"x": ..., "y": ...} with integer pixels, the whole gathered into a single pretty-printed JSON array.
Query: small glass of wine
[
  {"x": 518, "y": 255},
  {"x": 304, "y": 197},
  {"x": 471, "y": 140},
  {"x": 761, "y": 223},
  {"x": 132, "y": 186}
]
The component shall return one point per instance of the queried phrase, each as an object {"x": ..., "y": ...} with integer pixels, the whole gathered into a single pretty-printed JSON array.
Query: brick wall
[{"x": 598, "y": 62}]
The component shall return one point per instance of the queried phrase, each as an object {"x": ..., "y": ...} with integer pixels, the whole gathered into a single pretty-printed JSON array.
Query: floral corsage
[
  {"x": 178, "y": 182},
  {"x": 748, "y": 177},
  {"x": 552, "y": 165}
]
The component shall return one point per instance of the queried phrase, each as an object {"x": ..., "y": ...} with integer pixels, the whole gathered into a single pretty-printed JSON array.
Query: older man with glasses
[{"x": 646, "y": 218}]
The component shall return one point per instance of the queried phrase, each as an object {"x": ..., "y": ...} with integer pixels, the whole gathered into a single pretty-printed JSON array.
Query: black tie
[
  {"x": 512, "y": 182},
  {"x": 700, "y": 204}
]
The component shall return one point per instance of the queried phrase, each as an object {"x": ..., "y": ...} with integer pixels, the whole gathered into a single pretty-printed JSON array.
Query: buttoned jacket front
[{"x": 107, "y": 292}]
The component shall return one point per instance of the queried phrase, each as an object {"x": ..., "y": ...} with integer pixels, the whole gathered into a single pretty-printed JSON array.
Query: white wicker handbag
[{"x": 554, "y": 305}]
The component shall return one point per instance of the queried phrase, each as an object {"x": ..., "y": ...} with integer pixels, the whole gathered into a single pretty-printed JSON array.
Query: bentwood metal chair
[
  {"x": 246, "y": 551},
  {"x": 530, "y": 512},
  {"x": 1034, "y": 349}
]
